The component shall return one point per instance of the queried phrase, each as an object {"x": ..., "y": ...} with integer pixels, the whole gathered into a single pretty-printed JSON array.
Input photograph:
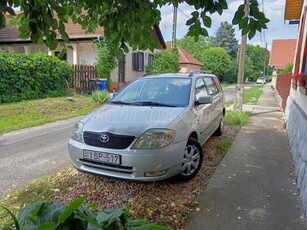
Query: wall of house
[
  {"x": 185, "y": 68},
  {"x": 296, "y": 118},
  {"x": 130, "y": 74}
]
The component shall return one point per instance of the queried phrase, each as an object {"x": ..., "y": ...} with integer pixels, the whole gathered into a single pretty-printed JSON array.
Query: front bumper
[{"x": 138, "y": 165}]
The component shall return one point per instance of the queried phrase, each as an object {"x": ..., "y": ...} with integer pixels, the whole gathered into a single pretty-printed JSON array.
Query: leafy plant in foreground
[{"x": 53, "y": 215}]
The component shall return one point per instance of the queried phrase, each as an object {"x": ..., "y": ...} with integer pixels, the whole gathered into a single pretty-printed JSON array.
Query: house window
[
  {"x": 151, "y": 57},
  {"x": 138, "y": 61},
  {"x": 63, "y": 58}
]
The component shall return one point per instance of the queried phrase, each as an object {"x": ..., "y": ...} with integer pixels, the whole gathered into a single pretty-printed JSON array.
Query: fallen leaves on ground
[{"x": 166, "y": 203}]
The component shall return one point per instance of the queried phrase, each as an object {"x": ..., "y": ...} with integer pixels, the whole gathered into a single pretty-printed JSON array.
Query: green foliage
[
  {"x": 100, "y": 97},
  {"x": 195, "y": 48},
  {"x": 225, "y": 38},
  {"x": 224, "y": 145},
  {"x": 254, "y": 21},
  {"x": 106, "y": 60},
  {"x": 260, "y": 57},
  {"x": 25, "y": 77},
  {"x": 123, "y": 23},
  {"x": 215, "y": 60},
  {"x": 288, "y": 68},
  {"x": 251, "y": 95},
  {"x": 54, "y": 215},
  {"x": 165, "y": 61},
  {"x": 236, "y": 118}
]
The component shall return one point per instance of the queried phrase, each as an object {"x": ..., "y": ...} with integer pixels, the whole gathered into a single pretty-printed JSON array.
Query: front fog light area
[
  {"x": 154, "y": 139},
  {"x": 154, "y": 174}
]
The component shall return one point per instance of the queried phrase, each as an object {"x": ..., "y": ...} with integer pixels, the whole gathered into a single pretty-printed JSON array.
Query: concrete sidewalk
[{"x": 254, "y": 186}]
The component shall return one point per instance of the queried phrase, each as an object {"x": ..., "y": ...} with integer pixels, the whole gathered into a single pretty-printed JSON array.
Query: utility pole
[
  {"x": 239, "y": 90},
  {"x": 264, "y": 64},
  {"x": 173, "y": 43}
]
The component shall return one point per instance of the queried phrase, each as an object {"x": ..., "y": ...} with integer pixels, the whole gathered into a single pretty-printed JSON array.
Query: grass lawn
[{"x": 15, "y": 116}]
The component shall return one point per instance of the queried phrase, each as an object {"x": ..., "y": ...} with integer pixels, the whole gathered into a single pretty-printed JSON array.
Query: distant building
[
  {"x": 282, "y": 53},
  {"x": 187, "y": 62}
]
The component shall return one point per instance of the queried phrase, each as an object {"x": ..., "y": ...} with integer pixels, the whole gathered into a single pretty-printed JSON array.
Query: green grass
[
  {"x": 25, "y": 114},
  {"x": 40, "y": 189},
  {"x": 236, "y": 118},
  {"x": 251, "y": 96},
  {"x": 224, "y": 145}
]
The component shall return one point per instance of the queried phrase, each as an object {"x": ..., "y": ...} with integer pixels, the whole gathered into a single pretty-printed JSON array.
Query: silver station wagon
[{"x": 152, "y": 129}]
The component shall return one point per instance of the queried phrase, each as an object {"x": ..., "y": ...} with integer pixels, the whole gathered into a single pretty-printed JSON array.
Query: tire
[
  {"x": 192, "y": 160},
  {"x": 220, "y": 129}
]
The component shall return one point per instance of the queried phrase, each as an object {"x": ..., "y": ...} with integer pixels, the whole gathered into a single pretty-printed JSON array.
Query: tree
[
  {"x": 195, "y": 48},
  {"x": 165, "y": 61},
  {"x": 232, "y": 74},
  {"x": 288, "y": 68},
  {"x": 123, "y": 23},
  {"x": 106, "y": 60},
  {"x": 225, "y": 38},
  {"x": 260, "y": 59},
  {"x": 215, "y": 60}
]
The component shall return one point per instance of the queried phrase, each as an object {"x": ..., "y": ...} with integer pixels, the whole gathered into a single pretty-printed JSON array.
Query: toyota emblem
[{"x": 104, "y": 138}]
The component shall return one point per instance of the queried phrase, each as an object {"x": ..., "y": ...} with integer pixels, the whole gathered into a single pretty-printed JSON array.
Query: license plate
[{"x": 101, "y": 157}]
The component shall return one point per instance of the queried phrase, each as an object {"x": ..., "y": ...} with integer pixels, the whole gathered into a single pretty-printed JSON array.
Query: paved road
[{"x": 33, "y": 153}]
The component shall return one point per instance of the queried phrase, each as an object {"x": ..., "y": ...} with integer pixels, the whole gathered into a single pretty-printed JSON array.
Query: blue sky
[{"x": 273, "y": 9}]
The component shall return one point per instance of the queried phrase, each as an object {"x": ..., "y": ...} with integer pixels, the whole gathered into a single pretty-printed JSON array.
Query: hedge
[{"x": 26, "y": 77}]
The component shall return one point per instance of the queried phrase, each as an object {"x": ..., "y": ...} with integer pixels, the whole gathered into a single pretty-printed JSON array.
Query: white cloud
[{"x": 273, "y": 9}]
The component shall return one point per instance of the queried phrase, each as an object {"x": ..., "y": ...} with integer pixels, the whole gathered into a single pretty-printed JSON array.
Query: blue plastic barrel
[{"x": 103, "y": 84}]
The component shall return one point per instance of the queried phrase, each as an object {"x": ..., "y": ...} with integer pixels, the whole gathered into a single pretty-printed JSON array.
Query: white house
[
  {"x": 296, "y": 110},
  {"x": 130, "y": 66}
]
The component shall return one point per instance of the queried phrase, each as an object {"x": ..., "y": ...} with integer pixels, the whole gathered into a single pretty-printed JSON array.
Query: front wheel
[{"x": 192, "y": 160}]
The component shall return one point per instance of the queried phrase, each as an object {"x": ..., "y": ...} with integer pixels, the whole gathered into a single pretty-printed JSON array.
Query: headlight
[
  {"x": 154, "y": 139},
  {"x": 77, "y": 132}
]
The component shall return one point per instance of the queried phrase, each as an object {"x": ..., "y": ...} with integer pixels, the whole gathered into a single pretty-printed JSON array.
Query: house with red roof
[
  {"x": 187, "y": 62},
  {"x": 296, "y": 110},
  {"x": 282, "y": 53},
  {"x": 130, "y": 66}
]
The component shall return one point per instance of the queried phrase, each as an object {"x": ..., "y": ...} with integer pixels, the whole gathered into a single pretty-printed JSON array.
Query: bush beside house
[{"x": 25, "y": 77}]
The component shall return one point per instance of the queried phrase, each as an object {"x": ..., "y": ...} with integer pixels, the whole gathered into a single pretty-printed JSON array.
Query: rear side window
[{"x": 211, "y": 86}]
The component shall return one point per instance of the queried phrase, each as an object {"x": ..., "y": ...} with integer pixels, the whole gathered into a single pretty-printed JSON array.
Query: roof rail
[{"x": 198, "y": 72}]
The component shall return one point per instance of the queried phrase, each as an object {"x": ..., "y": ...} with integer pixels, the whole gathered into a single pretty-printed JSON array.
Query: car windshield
[{"x": 166, "y": 92}]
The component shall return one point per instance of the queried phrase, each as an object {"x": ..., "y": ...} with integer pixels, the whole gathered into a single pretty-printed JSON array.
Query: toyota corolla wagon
[{"x": 152, "y": 129}]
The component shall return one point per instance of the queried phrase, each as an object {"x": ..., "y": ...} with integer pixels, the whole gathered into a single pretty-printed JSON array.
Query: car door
[
  {"x": 203, "y": 112},
  {"x": 217, "y": 103}
]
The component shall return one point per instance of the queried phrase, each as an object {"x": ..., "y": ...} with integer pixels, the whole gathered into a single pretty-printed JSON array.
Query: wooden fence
[
  {"x": 283, "y": 84},
  {"x": 83, "y": 78}
]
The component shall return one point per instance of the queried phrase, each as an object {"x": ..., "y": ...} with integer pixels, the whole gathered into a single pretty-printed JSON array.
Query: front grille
[
  {"x": 115, "y": 141},
  {"x": 105, "y": 166}
]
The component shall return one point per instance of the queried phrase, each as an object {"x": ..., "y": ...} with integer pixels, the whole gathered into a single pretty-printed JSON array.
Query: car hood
[{"x": 130, "y": 120}]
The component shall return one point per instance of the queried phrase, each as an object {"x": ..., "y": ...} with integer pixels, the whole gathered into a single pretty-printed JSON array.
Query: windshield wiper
[
  {"x": 151, "y": 103},
  {"x": 120, "y": 102}
]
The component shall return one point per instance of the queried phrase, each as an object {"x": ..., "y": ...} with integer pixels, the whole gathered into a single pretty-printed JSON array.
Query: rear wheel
[
  {"x": 192, "y": 160},
  {"x": 220, "y": 129}
]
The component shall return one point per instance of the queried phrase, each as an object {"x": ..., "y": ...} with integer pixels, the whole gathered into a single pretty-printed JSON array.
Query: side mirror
[{"x": 204, "y": 100}]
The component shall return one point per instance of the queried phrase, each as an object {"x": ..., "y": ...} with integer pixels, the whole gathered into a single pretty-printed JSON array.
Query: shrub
[
  {"x": 54, "y": 215},
  {"x": 100, "y": 97},
  {"x": 25, "y": 77}
]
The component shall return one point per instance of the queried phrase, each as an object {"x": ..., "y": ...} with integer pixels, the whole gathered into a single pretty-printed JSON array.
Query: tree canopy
[
  {"x": 123, "y": 23},
  {"x": 165, "y": 61},
  {"x": 216, "y": 60},
  {"x": 225, "y": 38}
]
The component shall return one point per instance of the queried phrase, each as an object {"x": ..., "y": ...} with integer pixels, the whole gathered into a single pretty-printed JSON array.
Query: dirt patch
[{"x": 166, "y": 203}]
